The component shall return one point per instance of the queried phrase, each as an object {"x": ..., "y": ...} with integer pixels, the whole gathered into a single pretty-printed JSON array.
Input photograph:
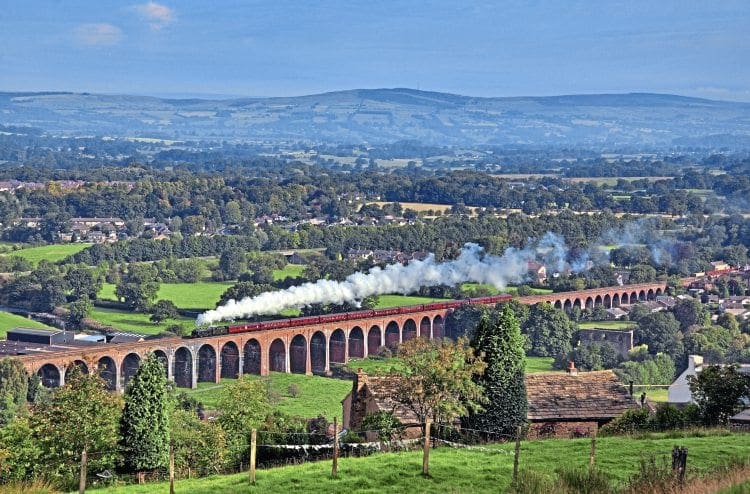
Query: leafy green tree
[
  {"x": 78, "y": 311},
  {"x": 642, "y": 273},
  {"x": 501, "y": 345},
  {"x": 83, "y": 281},
  {"x": 199, "y": 446},
  {"x": 145, "y": 418},
  {"x": 14, "y": 385},
  {"x": 244, "y": 405},
  {"x": 82, "y": 415},
  {"x": 243, "y": 289},
  {"x": 720, "y": 392},
  {"x": 690, "y": 312},
  {"x": 463, "y": 320},
  {"x": 661, "y": 332},
  {"x": 232, "y": 263},
  {"x": 549, "y": 331},
  {"x": 162, "y": 310},
  {"x": 139, "y": 287},
  {"x": 437, "y": 379},
  {"x": 19, "y": 452},
  {"x": 385, "y": 423}
]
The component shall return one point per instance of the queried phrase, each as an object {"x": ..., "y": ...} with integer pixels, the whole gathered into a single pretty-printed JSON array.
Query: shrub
[
  {"x": 293, "y": 390},
  {"x": 632, "y": 420},
  {"x": 589, "y": 481}
]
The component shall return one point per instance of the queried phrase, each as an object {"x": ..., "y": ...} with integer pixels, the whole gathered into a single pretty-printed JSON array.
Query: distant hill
[{"x": 386, "y": 115}]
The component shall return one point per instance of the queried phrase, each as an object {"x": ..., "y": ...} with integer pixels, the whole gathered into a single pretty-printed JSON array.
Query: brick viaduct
[{"x": 302, "y": 349}]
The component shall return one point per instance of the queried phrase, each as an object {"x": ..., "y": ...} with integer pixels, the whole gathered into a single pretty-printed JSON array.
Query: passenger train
[{"x": 342, "y": 316}]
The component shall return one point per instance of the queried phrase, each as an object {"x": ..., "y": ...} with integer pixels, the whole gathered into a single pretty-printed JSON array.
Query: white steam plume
[{"x": 472, "y": 265}]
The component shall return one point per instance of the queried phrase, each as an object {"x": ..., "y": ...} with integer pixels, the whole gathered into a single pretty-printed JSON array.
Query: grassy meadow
[
  {"x": 471, "y": 471},
  {"x": 135, "y": 322},
  {"x": 10, "y": 321},
  {"x": 317, "y": 395},
  {"x": 200, "y": 295},
  {"x": 52, "y": 253}
]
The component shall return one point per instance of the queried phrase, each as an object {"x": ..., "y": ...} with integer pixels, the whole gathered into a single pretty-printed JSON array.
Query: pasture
[
  {"x": 10, "y": 321},
  {"x": 51, "y": 253},
  {"x": 135, "y": 322}
]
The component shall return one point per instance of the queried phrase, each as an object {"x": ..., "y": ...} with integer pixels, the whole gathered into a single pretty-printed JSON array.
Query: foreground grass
[
  {"x": 317, "y": 395},
  {"x": 52, "y": 253},
  {"x": 10, "y": 321},
  {"x": 469, "y": 471},
  {"x": 134, "y": 321}
]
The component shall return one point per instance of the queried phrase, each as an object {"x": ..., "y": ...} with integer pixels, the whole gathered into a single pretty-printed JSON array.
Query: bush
[
  {"x": 589, "y": 481},
  {"x": 293, "y": 390},
  {"x": 633, "y": 420}
]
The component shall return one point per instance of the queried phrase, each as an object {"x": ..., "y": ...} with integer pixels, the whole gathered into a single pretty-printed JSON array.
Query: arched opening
[
  {"x": 337, "y": 347},
  {"x": 276, "y": 356},
  {"x": 633, "y": 298},
  {"x": 424, "y": 327},
  {"x": 589, "y": 303},
  {"x": 356, "y": 343},
  {"x": 625, "y": 299},
  {"x": 206, "y": 364},
  {"x": 598, "y": 300},
  {"x": 373, "y": 340},
  {"x": 318, "y": 353},
  {"x": 298, "y": 354},
  {"x": 392, "y": 335},
  {"x": 659, "y": 292},
  {"x": 607, "y": 301},
  {"x": 558, "y": 304},
  {"x": 650, "y": 294},
  {"x": 80, "y": 364},
  {"x": 642, "y": 295},
  {"x": 567, "y": 306},
  {"x": 409, "y": 330},
  {"x": 162, "y": 356},
  {"x": 183, "y": 368},
  {"x": 616, "y": 300},
  {"x": 107, "y": 370},
  {"x": 230, "y": 361},
  {"x": 577, "y": 303},
  {"x": 49, "y": 375},
  {"x": 438, "y": 328},
  {"x": 129, "y": 367},
  {"x": 252, "y": 357}
]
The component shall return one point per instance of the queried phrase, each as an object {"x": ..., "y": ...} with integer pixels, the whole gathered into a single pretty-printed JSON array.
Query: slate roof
[
  {"x": 585, "y": 396},
  {"x": 742, "y": 417},
  {"x": 381, "y": 389}
]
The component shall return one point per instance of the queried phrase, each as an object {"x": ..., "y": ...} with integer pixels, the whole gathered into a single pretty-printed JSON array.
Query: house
[
  {"x": 621, "y": 340},
  {"x": 574, "y": 404},
  {"x": 679, "y": 391},
  {"x": 616, "y": 313},
  {"x": 40, "y": 336},
  {"x": 741, "y": 421},
  {"x": 537, "y": 272},
  {"x": 666, "y": 301},
  {"x": 720, "y": 266},
  {"x": 560, "y": 404},
  {"x": 373, "y": 394}
]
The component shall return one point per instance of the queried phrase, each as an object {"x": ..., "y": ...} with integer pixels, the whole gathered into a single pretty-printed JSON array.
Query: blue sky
[{"x": 269, "y": 48}]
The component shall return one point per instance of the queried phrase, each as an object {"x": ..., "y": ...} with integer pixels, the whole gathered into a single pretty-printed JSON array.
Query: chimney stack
[{"x": 572, "y": 368}]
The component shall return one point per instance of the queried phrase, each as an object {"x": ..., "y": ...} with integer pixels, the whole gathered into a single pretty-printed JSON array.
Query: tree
[
  {"x": 79, "y": 311},
  {"x": 642, "y": 273},
  {"x": 719, "y": 391},
  {"x": 83, "y": 281},
  {"x": 145, "y": 419},
  {"x": 199, "y": 446},
  {"x": 463, "y": 320},
  {"x": 690, "y": 312},
  {"x": 82, "y": 415},
  {"x": 436, "y": 380},
  {"x": 244, "y": 405},
  {"x": 139, "y": 287},
  {"x": 231, "y": 264},
  {"x": 14, "y": 385},
  {"x": 501, "y": 346},
  {"x": 661, "y": 332},
  {"x": 549, "y": 330},
  {"x": 163, "y": 309}
]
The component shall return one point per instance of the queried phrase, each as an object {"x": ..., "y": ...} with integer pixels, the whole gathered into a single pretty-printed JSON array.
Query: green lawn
[
  {"x": 509, "y": 289},
  {"x": 10, "y": 321},
  {"x": 539, "y": 364},
  {"x": 317, "y": 395},
  {"x": 606, "y": 325},
  {"x": 134, "y": 321},
  {"x": 386, "y": 301},
  {"x": 52, "y": 253},
  {"x": 468, "y": 471},
  {"x": 289, "y": 271},
  {"x": 200, "y": 295}
]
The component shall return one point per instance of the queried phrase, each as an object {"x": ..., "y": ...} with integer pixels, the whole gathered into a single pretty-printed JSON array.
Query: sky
[{"x": 223, "y": 48}]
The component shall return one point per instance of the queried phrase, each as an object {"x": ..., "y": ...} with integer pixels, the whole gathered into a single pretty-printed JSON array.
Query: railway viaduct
[{"x": 302, "y": 349}]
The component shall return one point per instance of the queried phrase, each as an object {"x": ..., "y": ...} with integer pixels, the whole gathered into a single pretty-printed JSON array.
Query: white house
[{"x": 679, "y": 390}]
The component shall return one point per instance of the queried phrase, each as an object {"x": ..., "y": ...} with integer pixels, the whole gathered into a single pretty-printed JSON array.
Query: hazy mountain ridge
[{"x": 387, "y": 115}]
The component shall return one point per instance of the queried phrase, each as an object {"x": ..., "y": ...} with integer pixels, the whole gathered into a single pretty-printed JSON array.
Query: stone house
[
  {"x": 574, "y": 404},
  {"x": 620, "y": 339}
]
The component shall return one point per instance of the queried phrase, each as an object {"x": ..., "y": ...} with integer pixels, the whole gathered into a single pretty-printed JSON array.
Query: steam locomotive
[{"x": 342, "y": 316}]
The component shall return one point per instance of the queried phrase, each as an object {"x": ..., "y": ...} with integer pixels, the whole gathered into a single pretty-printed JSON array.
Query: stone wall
[{"x": 561, "y": 430}]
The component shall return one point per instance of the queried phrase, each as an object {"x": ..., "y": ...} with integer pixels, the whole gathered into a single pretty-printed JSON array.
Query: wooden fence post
[
  {"x": 426, "y": 449},
  {"x": 82, "y": 478},
  {"x": 253, "y": 446},
  {"x": 335, "y": 466},
  {"x": 592, "y": 455},
  {"x": 171, "y": 468},
  {"x": 515, "y": 454}
]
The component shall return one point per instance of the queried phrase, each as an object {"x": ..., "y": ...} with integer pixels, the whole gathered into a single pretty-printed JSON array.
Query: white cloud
[
  {"x": 156, "y": 14},
  {"x": 101, "y": 34}
]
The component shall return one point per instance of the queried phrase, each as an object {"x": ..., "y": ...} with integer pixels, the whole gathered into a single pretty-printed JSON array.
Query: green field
[
  {"x": 539, "y": 364},
  {"x": 200, "y": 295},
  {"x": 512, "y": 290},
  {"x": 606, "y": 325},
  {"x": 136, "y": 322},
  {"x": 10, "y": 321},
  {"x": 469, "y": 471},
  {"x": 317, "y": 395},
  {"x": 289, "y": 271},
  {"x": 374, "y": 366},
  {"x": 52, "y": 253},
  {"x": 386, "y": 301}
]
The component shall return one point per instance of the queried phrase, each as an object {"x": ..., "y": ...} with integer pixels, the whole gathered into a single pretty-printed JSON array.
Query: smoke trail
[{"x": 472, "y": 265}]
